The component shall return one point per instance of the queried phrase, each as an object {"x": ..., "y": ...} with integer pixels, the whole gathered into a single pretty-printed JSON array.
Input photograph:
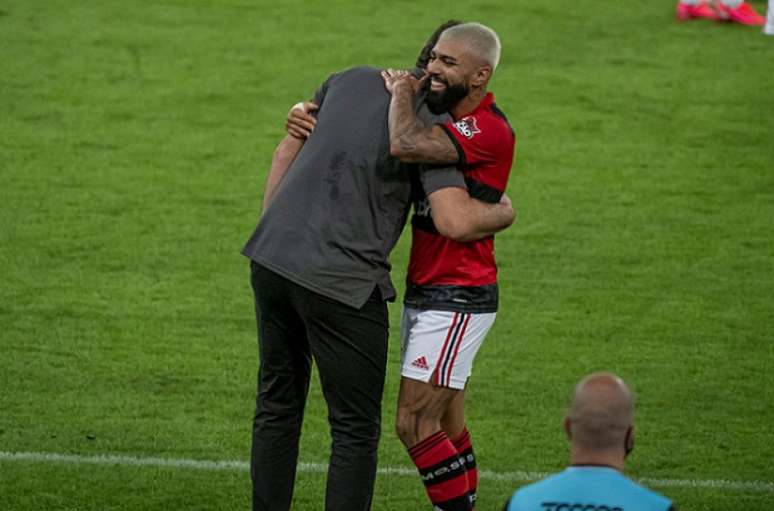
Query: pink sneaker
[
  {"x": 744, "y": 14},
  {"x": 686, "y": 12}
]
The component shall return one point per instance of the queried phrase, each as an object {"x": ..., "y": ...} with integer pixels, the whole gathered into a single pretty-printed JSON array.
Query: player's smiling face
[
  {"x": 448, "y": 65},
  {"x": 449, "y": 70}
]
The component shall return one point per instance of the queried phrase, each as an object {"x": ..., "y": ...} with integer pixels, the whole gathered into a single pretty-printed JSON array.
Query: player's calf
[
  {"x": 418, "y": 424},
  {"x": 443, "y": 473}
]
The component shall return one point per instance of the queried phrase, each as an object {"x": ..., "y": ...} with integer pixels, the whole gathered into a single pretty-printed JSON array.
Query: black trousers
[{"x": 349, "y": 346}]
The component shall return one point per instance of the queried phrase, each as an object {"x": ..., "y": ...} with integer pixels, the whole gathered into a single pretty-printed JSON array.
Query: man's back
[
  {"x": 343, "y": 202},
  {"x": 587, "y": 488}
]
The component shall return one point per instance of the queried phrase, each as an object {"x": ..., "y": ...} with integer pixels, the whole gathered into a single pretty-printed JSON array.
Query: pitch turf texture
[{"x": 135, "y": 139}]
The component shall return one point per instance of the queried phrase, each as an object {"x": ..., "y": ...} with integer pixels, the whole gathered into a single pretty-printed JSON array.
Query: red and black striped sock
[
  {"x": 465, "y": 447},
  {"x": 443, "y": 472}
]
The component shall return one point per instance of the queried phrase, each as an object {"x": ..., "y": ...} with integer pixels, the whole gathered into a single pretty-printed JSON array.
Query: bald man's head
[{"x": 602, "y": 412}]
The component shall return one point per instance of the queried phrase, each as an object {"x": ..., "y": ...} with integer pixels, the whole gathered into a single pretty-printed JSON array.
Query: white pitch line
[{"x": 235, "y": 465}]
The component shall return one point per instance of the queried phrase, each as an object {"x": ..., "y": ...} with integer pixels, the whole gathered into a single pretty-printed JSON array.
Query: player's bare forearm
[
  {"x": 458, "y": 216},
  {"x": 487, "y": 220},
  {"x": 410, "y": 139},
  {"x": 284, "y": 154}
]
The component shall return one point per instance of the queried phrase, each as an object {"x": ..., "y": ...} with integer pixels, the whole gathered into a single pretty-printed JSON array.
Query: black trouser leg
[
  {"x": 350, "y": 350},
  {"x": 283, "y": 383}
]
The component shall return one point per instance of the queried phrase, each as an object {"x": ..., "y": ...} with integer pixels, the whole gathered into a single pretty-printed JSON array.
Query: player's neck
[
  {"x": 582, "y": 456},
  {"x": 467, "y": 104}
]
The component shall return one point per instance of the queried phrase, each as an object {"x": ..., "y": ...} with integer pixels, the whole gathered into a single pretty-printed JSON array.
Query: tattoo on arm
[{"x": 410, "y": 139}]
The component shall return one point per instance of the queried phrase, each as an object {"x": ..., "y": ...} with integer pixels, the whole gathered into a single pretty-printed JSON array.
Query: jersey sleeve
[
  {"x": 476, "y": 140},
  {"x": 434, "y": 178}
]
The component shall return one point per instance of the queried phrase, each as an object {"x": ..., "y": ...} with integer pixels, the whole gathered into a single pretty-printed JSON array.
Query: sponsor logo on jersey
[
  {"x": 467, "y": 127},
  {"x": 454, "y": 466}
]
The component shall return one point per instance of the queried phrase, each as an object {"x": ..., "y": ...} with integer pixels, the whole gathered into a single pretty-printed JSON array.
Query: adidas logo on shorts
[{"x": 421, "y": 363}]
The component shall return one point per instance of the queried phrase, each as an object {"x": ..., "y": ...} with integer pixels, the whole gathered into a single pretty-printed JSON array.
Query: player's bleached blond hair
[{"x": 482, "y": 41}]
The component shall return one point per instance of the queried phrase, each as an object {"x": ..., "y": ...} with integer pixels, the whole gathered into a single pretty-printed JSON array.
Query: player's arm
[
  {"x": 301, "y": 120},
  {"x": 410, "y": 139},
  {"x": 284, "y": 154},
  {"x": 458, "y": 216},
  {"x": 299, "y": 124}
]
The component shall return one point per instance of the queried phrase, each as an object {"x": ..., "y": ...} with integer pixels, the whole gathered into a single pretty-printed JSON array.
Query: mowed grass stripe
[{"x": 216, "y": 465}]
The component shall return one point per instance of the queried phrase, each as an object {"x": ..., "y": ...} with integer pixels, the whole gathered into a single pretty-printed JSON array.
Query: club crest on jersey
[{"x": 467, "y": 127}]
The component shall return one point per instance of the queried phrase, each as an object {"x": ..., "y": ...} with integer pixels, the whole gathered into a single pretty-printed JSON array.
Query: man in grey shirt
[{"x": 334, "y": 207}]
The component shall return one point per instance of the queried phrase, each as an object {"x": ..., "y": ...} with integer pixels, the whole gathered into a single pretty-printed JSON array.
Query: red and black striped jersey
[{"x": 454, "y": 275}]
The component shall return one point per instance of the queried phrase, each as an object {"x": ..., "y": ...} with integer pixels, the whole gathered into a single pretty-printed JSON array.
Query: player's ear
[
  {"x": 481, "y": 76},
  {"x": 568, "y": 427},
  {"x": 629, "y": 440}
]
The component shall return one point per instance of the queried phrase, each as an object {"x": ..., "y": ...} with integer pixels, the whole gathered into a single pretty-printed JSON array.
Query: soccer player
[
  {"x": 600, "y": 428},
  {"x": 334, "y": 206},
  {"x": 738, "y": 11},
  {"x": 451, "y": 292}
]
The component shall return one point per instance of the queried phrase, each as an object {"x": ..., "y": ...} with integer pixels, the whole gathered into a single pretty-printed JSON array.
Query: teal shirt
[{"x": 587, "y": 488}]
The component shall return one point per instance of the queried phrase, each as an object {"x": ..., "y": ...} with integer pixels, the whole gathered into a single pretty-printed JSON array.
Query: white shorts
[{"x": 439, "y": 346}]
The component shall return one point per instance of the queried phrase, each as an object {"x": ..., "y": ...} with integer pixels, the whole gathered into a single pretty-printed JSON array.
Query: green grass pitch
[{"x": 134, "y": 142}]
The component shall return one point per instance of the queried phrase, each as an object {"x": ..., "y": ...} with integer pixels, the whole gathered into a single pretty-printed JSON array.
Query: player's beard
[{"x": 441, "y": 102}]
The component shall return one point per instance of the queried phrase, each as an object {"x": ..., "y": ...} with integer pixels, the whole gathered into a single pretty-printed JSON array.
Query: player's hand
[
  {"x": 505, "y": 202},
  {"x": 396, "y": 78},
  {"x": 300, "y": 122}
]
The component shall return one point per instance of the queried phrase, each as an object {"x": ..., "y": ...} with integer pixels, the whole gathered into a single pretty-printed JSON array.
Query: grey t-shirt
[{"x": 342, "y": 204}]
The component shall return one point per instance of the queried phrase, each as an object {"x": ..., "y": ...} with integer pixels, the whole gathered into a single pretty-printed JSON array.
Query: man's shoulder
[
  {"x": 487, "y": 125},
  {"x": 578, "y": 483},
  {"x": 484, "y": 129},
  {"x": 528, "y": 492},
  {"x": 361, "y": 83},
  {"x": 645, "y": 493},
  {"x": 494, "y": 121},
  {"x": 541, "y": 485},
  {"x": 357, "y": 72},
  {"x": 356, "y": 81},
  {"x": 498, "y": 118}
]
